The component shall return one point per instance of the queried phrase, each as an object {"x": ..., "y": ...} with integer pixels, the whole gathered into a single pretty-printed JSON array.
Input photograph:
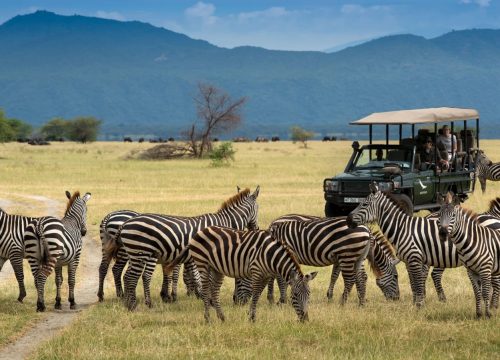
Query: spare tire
[{"x": 404, "y": 202}]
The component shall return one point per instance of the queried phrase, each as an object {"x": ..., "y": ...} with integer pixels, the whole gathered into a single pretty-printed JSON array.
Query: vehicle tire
[
  {"x": 331, "y": 210},
  {"x": 405, "y": 202}
]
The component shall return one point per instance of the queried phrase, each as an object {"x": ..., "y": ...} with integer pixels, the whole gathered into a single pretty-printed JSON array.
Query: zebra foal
[
  {"x": 220, "y": 251},
  {"x": 478, "y": 247}
]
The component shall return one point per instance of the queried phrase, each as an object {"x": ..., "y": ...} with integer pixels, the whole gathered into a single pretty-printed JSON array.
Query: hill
[{"x": 141, "y": 79}]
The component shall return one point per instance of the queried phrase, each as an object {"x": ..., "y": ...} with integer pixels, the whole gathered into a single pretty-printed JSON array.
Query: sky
[{"x": 319, "y": 25}]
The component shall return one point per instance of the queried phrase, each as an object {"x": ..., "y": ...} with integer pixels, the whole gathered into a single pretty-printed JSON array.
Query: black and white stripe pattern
[
  {"x": 328, "y": 241},
  {"x": 75, "y": 227},
  {"x": 44, "y": 242},
  {"x": 415, "y": 239},
  {"x": 149, "y": 239},
  {"x": 12, "y": 228},
  {"x": 486, "y": 170},
  {"x": 478, "y": 247},
  {"x": 220, "y": 251}
]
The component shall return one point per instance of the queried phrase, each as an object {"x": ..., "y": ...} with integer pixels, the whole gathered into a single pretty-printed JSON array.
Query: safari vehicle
[{"x": 397, "y": 167}]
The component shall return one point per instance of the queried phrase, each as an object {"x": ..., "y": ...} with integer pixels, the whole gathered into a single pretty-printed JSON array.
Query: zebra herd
[{"x": 229, "y": 243}]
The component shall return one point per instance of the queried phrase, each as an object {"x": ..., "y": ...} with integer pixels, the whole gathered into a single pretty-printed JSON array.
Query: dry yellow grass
[{"x": 291, "y": 181}]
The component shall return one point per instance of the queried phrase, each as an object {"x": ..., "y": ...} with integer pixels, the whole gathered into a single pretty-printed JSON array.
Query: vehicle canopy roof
[{"x": 418, "y": 116}]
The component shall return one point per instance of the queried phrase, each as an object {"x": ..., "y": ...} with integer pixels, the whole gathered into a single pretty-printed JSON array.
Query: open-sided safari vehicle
[{"x": 400, "y": 169}]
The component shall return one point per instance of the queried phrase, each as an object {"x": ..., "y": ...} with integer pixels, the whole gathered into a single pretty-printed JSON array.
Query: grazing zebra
[
  {"x": 149, "y": 239},
  {"x": 107, "y": 230},
  {"x": 44, "y": 242},
  {"x": 478, "y": 247},
  {"x": 75, "y": 227},
  {"x": 12, "y": 229},
  {"x": 486, "y": 170},
  {"x": 220, "y": 251},
  {"x": 415, "y": 239},
  {"x": 324, "y": 242}
]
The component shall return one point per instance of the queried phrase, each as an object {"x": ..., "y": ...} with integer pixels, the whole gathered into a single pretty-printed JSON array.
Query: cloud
[
  {"x": 202, "y": 11},
  {"x": 359, "y": 9},
  {"x": 481, "y": 3},
  {"x": 113, "y": 15},
  {"x": 272, "y": 12}
]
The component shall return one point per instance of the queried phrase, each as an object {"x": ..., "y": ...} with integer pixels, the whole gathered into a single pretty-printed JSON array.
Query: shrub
[{"x": 222, "y": 155}]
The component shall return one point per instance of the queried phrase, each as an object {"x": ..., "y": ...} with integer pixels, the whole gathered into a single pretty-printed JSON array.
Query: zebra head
[
  {"x": 299, "y": 285},
  {"x": 77, "y": 209},
  {"x": 389, "y": 283},
  {"x": 482, "y": 165},
  {"x": 247, "y": 210},
  {"x": 447, "y": 214},
  {"x": 242, "y": 291},
  {"x": 367, "y": 210}
]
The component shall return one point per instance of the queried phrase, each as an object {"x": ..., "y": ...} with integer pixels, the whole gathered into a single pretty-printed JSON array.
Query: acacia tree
[
  {"x": 84, "y": 129},
  {"x": 217, "y": 113},
  {"x": 302, "y": 135}
]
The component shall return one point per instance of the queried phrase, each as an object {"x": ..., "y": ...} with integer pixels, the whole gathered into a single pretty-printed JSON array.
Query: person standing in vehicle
[
  {"x": 449, "y": 141},
  {"x": 428, "y": 156}
]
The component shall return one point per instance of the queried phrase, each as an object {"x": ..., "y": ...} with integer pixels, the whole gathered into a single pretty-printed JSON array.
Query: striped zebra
[
  {"x": 149, "y": 239},
  {"x": 221, "y": 251},
  {"x": 44, "y": 242},
  {"x": 416, "y": 240},
  {"x": 75, "y": 227},
  {"x": 12, "y": 229},
  {"x": 486, "y": 170},
  {"x": 324, "y": 242},
  {"x": 478, "y": 247}
]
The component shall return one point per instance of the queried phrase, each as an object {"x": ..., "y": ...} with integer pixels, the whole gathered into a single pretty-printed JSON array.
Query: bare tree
[{"x": 217, "y": 113}]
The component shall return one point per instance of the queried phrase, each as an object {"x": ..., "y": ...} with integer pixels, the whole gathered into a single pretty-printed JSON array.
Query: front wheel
[
  {"x": 404, "y": 202},
  {"x": 332, "y": 210}
]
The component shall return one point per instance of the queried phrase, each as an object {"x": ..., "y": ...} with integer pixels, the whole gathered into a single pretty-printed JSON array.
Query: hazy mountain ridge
[{"x": 141, "y": 79}]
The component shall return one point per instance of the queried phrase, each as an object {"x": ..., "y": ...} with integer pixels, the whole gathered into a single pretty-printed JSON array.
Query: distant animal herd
[{"x": 228, "y": 242}]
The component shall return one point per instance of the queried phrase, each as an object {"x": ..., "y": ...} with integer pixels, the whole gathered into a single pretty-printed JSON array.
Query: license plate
[{"x": 353, "y": 200}]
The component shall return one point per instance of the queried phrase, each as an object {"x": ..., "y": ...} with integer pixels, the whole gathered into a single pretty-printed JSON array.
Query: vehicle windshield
[{"x": 378, "y": 157}]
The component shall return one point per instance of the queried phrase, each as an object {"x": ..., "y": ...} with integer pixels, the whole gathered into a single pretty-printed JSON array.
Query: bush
[{"x": 222, "y": 155}]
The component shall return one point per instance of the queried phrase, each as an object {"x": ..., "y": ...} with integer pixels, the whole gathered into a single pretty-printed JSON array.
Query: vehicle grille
[{"x": 356, "y": 187}]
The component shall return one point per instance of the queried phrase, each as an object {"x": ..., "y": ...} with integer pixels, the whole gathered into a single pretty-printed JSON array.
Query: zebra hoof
[
  {"x": 72, "y": 306},
  {"x": 40, "y": 307},
  {"x": 20, "y": 299},
  {"x": 174, "y": 298},
  {"x": 57, "y": 306}
]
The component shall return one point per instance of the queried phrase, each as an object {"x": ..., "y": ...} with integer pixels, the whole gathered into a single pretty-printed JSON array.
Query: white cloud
[
  {"x": 359, "y": 9},
  {"x": 202, "y": 11},
  {"x": 481, "y": 3},
  {"x": 272, "y": 12},
  {"x": 113, "y": 15}
]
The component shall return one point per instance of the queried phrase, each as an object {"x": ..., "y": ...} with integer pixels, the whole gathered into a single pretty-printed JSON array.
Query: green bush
[{"x": 222, "y": 155}]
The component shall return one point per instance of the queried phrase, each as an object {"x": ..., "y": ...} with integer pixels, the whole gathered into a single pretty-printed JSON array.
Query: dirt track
[{"x": 55, "y": 321}]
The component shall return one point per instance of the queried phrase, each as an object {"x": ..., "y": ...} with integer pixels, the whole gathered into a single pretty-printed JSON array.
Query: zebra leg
[
  {"x": 258, "y": 285},
  {"x": 2, "y": 261},
  {"x": 349, "y": 279},
  {"x": 361, "y": 278},
  {"x": 486, "y": 291},
  {"x": 194, "y": 276},
  {"x": 132, "y": 275},
  {"x": 120, "y": 263},
  {"x": 333, "y": 280},
  {"x": 187, "y": 278},
  {"x": 205, "y": 291},
  {"x": 72, "y": 282},
  {"x": 282, "y": 285},
  {"x": 270, "y": 291},
  {"x": 476, "y": 287},
  {"x": 495, "y": 284},
  {"x": 415, "y": 268},
  {"x": 59, "y": 281},
  {"x": 425, "y": 275},
  {"x": 412, "y": 283},
  {"x": 165, "y": 286},
  {"x": 40, "y": 288},
  {"x": 146, "y": 281},
  {"x": 217, "y": 279},
  {"x": 437, "y": 275},
  {"x": 103, "y": 270},
  {"x": 16, "y": 260},
  {"x": 175, "y": 282}
]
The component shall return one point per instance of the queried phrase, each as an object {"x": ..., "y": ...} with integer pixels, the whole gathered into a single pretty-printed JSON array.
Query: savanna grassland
[{"x": 291, "y": 182}]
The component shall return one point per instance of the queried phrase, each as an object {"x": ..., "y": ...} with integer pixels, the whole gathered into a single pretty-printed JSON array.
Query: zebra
[
  {"x": 478, "y": 247},
  {"x": 75, "y": 227},
  {"x": 416, "y": 240},
  {"x": 220, "y": 251},
  {"x": 12, "y": 229},
  {"x": 486, "y": 170},
  {"x": 324, "y": 242},
  {"x": 44, "y": 242},
  {"x": 151, "y": 238}
]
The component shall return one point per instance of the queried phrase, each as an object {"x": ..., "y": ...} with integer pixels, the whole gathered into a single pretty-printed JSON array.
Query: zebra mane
[
  {"x": 472, "y": 215},
  {"x": 290, "y": 252},
  {"x": 235, "y": 199},
  {"x": 384, "y": 243},
  {"x": 71, "y": 201},
  {"x": 494, "y": 204}
]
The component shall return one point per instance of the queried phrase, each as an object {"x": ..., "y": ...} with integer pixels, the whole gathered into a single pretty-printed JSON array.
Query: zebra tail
[
  {"x": 46, "y": 261},
  {"x": 114, "y": 244},
  {"x": 183, "y": 256},
  {"x": 371, "y": 257}
]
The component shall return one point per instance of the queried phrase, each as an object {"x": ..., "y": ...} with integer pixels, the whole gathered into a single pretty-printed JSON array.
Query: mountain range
[{"x": 141, "y": 80}]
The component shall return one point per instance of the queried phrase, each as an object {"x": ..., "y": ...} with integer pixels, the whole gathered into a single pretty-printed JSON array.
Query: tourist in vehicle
[
  {"x": 428, "y": 156},
  {"x": 449, "y": 141}
]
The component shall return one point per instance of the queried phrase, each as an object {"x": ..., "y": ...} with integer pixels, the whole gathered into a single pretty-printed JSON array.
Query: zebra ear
[
  {"x": 238, "y": 189},
  {"x": 440, "y": 199},
  {"x": 456, "y": 200},
  {"x": 310, "y": 276},
  {"x": 373, "y": 187},
  {"x": 68, "y": 194},
  {"x": 256, "y": 192},
  {"x": 86, "y": 197},
  {"x": 293, "y": 277},
  {"x": 449, "y": 199}
]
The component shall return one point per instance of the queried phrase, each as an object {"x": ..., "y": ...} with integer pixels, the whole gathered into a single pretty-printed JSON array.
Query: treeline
[{"x": 82, "y": 129}]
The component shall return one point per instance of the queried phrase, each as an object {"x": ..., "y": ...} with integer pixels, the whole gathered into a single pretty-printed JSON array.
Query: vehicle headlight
[
  {"x": 332, "y": 185},
  {"x": 385, "y": 186},
  {"x": 396, "y": 184}
]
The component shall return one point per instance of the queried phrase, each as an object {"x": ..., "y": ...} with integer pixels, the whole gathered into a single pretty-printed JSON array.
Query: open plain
[{"x": 291, "y": 178}]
